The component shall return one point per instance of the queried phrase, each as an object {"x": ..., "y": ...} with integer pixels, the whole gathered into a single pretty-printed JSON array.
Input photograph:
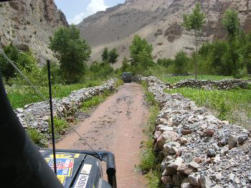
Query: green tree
[
  {"x": 105, "y": 55},
  {"x": 180, "y": 63},
  {"x": 141, "y": 53},
  {"x": 113, "y": 56},
  {"x": 247, "y": 53},
  {"x": 232, "y": 58},
  {"x": 231, "y": 22},
  {"x": 233, "y": 55},
  {"x": 73, "y": 52},
  {"x": 218, "y": 63},
  {"x": 195, "y": 21}
]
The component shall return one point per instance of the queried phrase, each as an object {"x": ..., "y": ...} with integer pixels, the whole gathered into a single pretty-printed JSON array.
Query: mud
[{"x": 117, "y": 126}]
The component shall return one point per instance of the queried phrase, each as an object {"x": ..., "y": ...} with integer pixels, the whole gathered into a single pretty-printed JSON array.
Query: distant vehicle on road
[{"x": 127, "y": 77}]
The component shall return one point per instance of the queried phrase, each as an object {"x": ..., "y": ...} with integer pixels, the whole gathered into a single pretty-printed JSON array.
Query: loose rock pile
[
  {"x": 36, "y": 115},
  {"x": 199, "y": 150},
  {"x": 208, "y": 84}
]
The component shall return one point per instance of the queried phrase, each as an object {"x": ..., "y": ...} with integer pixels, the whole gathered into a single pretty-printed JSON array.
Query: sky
[{"x": 76, "y": 10}]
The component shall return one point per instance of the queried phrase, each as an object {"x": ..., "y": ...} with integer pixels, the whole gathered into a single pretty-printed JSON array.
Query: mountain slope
[
  {"x": 29, "y": 24},
  {"x": 159, "y": 21}
]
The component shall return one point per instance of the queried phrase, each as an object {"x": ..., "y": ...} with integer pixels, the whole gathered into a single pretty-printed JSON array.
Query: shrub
[{"x": 24, "y": 61}]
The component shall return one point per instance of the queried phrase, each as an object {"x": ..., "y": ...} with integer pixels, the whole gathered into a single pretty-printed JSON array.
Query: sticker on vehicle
[{"x": 64, "y": 166}]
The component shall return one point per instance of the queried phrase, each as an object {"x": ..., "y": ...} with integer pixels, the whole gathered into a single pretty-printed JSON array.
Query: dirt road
[{"x": 116, "y": 125}]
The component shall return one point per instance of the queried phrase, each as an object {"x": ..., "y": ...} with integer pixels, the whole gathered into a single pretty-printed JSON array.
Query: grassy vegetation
[
  {"x": 165, "y": 75},
  {"x": 232, "y": 105},
  {"x": 94, "y": 101},
  {"x": 150, "y": 163},
  {"x": 37, "y": 137},
  {"x": 175, "y": 79},
  {"x": 60, "y": 125},
  {"x": 22, "y": 95}
]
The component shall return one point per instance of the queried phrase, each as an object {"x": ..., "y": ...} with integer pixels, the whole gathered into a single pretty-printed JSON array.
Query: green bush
[
  {"x": 23, "y": 60},
  {"x": 7, "y": 69}
]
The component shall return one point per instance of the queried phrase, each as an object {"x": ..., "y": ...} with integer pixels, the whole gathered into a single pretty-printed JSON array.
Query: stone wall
[
  {"x": 199, "y": 150},
  {"x": 36, "y": 115},
  {"x": 208, "y": 84}
]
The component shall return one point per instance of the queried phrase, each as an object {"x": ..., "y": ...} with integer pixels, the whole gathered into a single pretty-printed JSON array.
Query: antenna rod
[{"x": 52, "y": 120}]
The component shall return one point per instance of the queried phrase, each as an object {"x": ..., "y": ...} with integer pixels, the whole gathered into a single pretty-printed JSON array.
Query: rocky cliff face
[
  {"x": 159, "y": 21},
  {"x": 29, "y": 24}
]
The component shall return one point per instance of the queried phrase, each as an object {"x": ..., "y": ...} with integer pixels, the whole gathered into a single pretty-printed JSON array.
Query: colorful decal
[{"x": 65, "y": 165}]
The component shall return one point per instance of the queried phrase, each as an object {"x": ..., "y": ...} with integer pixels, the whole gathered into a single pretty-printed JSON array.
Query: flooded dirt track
[{"x": 116, "y": 125}]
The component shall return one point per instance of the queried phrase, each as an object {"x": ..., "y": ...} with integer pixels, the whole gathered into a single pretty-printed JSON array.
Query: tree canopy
[
  {"x": 141, "y": 52},
  {"x": 73, "y": 52},
  {"x": 110, "y": 56},
  {"x": 195, "y": 20},
  {"x": 231, "y": 22},
  {"x": 105, "y": 55}
]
